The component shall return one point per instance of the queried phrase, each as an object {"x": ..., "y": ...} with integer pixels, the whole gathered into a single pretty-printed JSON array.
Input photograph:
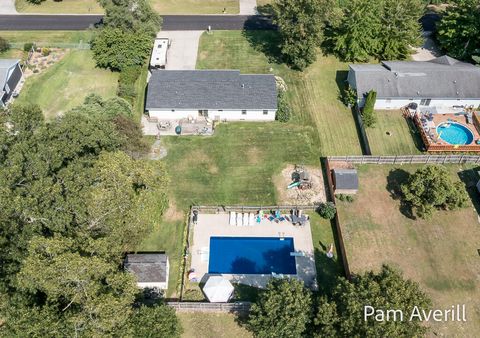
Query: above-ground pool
[
  {"x": 455, "y": 133},
  {"x": 251, "y": 255}
]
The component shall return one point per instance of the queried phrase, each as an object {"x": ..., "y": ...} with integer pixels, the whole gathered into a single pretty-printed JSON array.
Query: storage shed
[
  {"x": 150, "y": 268},
  {"x": 345, "y": 181}
]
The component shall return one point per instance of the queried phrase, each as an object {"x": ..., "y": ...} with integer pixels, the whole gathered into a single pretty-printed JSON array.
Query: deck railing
[{"x": 408, "y": 159}]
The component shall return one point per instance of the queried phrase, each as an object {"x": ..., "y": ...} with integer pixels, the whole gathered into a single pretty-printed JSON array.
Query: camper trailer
[{"x": 159, "y": 53}]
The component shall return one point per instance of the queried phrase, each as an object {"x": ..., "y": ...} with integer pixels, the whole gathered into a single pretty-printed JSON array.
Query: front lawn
[
  {"x": 393, "y": 135},
  {"x": 60, "y": 7},
  {"x": 66, "y": 84},
  {"x": 441, "y": 254},
  {"x": 195, "y": 6},
  {"x": 313, "y": 94},
  {"x": 47, "y": 38}
]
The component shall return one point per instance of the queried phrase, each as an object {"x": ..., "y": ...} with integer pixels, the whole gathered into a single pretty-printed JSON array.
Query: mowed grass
[
  {"x": 237, "y": 164},
  {"x": 211, "y": 325},
  {"x": 313, "y": 94},
  {"x": 403, "y": 139},
  {"x": 195, "y": 6},
  {"x": 441, "y": 253},
  {"x": 66, "y": 84},
  {"x": 60, "y": 7},
  {"x": 49, "y": 38}
]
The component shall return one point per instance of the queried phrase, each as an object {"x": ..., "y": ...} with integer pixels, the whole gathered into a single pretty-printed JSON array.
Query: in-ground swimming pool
[
  {"x": 455, "y": 133},
  {"x": 251, "y": 255}
]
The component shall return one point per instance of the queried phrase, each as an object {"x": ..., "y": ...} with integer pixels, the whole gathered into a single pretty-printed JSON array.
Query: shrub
[
  {"x": 126, "y": 83},
  {"x": 45, "y": 51},
  {"x": 36, "y": 2},
  {"x": 4, "y": 45},
  {"x": 368, "y": 112},
  {"x": 28, "y": 46},
  {"x": 327, "y": 210},
  {"x": 349, "y": 96},
  {"x": 345, "y": 198},
  {"x": 284, "y": 111}
]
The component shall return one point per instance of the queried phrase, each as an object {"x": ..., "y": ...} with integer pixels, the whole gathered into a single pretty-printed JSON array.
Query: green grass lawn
[
  {"x": 211, "y": 325},
  {"x": 65, "y": 84},
  {"x": 59, "y": 7},
  {"x": 313, "y": 94},
  {"x": 47, "y": 38},
  {"x": 403, "y": 139},
  {"x": 441, "y": 253},
  {"x": 195, "y": 6}
]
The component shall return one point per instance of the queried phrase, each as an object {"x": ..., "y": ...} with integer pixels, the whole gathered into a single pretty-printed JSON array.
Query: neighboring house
[
  {"x": 159, "y": 53},
  {"x": 10, "y": 75},
  {"x": 150, "y": 268},
  {"x": 216, "y": 94},
  {"x": 441, "y": 82},
  {"x": 345, "y": 181}
]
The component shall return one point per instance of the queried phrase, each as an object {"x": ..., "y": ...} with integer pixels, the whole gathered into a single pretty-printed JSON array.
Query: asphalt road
[{"x": 170, "y": 22}]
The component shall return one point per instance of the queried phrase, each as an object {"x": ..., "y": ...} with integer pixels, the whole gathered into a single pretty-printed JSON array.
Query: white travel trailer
[{"x": 159, "y": 53}]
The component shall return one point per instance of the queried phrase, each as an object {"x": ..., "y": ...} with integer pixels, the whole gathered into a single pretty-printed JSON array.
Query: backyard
[
  {"x": 313, "y": 94},
  {"x": 211, "y": 325},
  {"x": 65, "y": 84},
  {"x": 441, "y": 253},
  {"x": 393, "y": 135}
]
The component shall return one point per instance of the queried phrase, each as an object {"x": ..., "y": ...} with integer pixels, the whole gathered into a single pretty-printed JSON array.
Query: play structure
[{"x": 301, "y": 179}]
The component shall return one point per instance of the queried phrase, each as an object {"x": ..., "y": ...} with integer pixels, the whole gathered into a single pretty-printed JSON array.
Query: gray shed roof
[
  {"x": 147, "y": 267},
  {"x": 345, "y": 179},
  {"x": 210, "y": 89},
  {"x": 442, "y": 78},
  {"x": 5, "y": 65}
]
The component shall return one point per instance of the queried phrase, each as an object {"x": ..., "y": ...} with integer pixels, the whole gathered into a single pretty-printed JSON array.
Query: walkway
[
  {"x": 248, "y": 7},
  {"x": 7, "y": 7}
]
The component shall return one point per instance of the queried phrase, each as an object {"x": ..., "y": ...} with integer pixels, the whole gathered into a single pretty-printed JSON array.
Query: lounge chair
[
  {"x": 251, "y": 219},
  {"x": 233, "y": 218},
  {"x": 239, "y": 219},
  {"x": 245, "y": 219}
]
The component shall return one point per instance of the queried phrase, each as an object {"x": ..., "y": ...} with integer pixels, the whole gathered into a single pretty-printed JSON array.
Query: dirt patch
[
  {"x": 294, "y": 196},
  {"x": 340, "y": 165},
  {"x": 254, "y": 155},
  {"x": 172, "y": 213}
]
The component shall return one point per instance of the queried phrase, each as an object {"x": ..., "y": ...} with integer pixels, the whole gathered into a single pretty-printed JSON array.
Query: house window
[
  {"x": 425, "y": 102},
  {"x": 220, "y": 110},
  {"x": 244, "y": 112},
  {"x": 265, "y": 112},
  {"x": 173, "y": 109}
]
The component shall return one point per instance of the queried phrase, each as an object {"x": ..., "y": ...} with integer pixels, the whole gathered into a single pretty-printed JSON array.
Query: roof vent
[
  {"x": 243, "y": 85},
  {"x": 418, "y": 93},
  {"x": 454, "y": 81},
  {"x": 396, "y": 74}
]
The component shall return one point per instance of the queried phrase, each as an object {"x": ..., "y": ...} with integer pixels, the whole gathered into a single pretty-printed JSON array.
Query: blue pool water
[
  {"x": 455, "y": 133},
  {"x": 251, "y": 255}
]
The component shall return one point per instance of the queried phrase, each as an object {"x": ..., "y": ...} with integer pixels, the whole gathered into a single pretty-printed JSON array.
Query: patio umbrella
[{"x": 218, "y": 289}]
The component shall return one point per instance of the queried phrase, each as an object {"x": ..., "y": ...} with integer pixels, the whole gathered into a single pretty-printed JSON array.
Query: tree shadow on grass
[
  {"x": 265, "y": 10},
  {"x": 266, "y": 42},
  {"x": 395, "y": 178},
  {"x": 470, "y": 178},
  {"x": 417, "y": 139},
  {"x": 341, "y": 80},
  {"x": 328, "y": 271}
]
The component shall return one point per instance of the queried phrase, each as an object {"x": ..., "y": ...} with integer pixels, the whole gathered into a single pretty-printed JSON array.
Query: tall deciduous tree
[
  {"x": 301, "y": 24},
  {"x": 155, "y": 322},
  {"x": 282, "y": 310},
  {"x": 430, "y": 188},
  {"x": 459, "y": 29}
]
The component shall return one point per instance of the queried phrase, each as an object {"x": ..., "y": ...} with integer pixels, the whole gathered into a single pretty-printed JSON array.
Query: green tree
[
  {"x": 301, "y": 24},
  {"x": 326, "y": 318},
  {"x": 284, "y": 111},
  {"x": 458, "y": 31},
  {"x": 368, "y": 111},
  {"x": 432, "y": 187},
  {"x": 384, "y": 290},
  {"x": 95, "y": 105},
  {"x": 156, "y": 321},
  {"x": 282, "y": 310},
  {"x": 327, "y": 210},
  {"x": 4, "y": 45}
]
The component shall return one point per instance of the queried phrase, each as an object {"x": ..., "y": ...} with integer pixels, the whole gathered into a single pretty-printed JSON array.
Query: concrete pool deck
[{"x": 217, "y": 225}]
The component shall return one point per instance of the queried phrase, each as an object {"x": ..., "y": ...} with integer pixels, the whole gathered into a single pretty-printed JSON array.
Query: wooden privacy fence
[
  {"x": 237, "y": 307},
  {"x": 241, "y": 208},
  {"x": 407, "y": 159}
]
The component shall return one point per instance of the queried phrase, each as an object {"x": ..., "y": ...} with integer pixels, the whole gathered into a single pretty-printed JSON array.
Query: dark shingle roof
[
  {"x": 147, "y": 267},
  {"x": 443, "y": 78},
  {"x": 346, "y": 179},
  {"x": 5, "y": 65},
  {"x": 210, "y": 89}
]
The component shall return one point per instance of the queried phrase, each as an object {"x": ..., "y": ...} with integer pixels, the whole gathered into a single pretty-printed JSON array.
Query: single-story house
[
  {"x": 150, "y": 268},
  {"x": 216, "y": 94},
  {"x": 345, "y": 181},
  {"x": 441, "y": 82},
  {"x": 10, "y": 75},
  {"x": 159, "y": 53}
]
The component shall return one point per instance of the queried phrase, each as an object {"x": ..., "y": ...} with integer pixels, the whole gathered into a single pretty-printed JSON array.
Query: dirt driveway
[{"x": 182, "y": 54}]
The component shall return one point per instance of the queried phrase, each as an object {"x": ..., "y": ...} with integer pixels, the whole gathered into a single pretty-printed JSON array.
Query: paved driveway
[
  {"x": 182, "y": 54},
  {"x": 7, "y": 7},
  {"x": 248, "y": 7}
]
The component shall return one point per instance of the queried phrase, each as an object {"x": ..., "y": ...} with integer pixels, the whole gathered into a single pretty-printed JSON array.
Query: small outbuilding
[
  {"x": 150, "y": 268},
  {"x": 218, "y": 289},
  {"x": 345, "y": 181},
  {"x": 10, "y": 75}
]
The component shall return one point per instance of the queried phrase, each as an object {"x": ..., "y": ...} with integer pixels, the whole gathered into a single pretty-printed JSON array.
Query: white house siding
[
  {"x": 229, "y": 115},
  {"x": 383, "y": 104}
]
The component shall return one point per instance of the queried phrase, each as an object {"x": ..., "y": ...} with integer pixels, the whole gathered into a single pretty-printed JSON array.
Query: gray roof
[
  {"x": 443, "y": 78},
  {"x": 345, "y": 179},
  {"x": 210, "y": 89},
  {"x": 147, "y": 267},
  {"x": 5, "y": 65}
]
